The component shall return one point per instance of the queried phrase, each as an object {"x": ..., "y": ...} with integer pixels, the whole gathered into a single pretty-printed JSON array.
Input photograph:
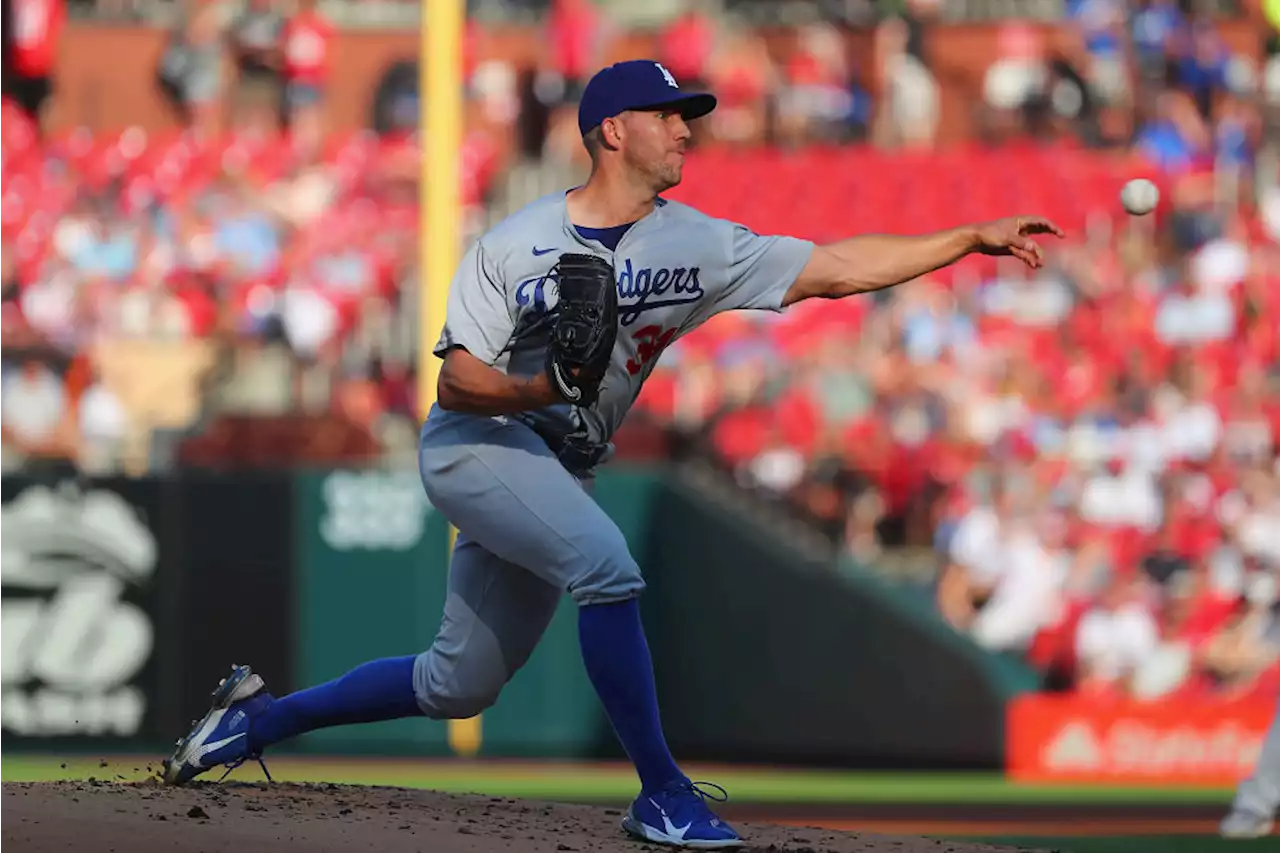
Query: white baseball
[{"x": 1140, "y": 196}]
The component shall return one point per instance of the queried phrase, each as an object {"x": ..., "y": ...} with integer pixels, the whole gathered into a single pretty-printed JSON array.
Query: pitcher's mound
[{"x": 107, "y": 817}]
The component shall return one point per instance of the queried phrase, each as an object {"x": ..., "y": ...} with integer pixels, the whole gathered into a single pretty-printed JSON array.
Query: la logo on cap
[{"x": 667, "y": 75}]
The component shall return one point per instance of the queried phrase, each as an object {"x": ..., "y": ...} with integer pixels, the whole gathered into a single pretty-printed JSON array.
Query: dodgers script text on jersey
[{"x": 639, "y": 290}]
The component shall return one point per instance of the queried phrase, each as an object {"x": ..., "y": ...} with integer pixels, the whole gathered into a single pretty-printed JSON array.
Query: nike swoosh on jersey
[{"x": 537, "y": 253}]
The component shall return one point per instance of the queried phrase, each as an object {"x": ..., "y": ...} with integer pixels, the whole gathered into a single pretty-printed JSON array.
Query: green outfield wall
[{"x": 761, "y": 654}]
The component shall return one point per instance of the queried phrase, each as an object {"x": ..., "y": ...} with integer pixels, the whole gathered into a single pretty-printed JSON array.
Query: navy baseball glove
[{"x": 586, "y": 327}]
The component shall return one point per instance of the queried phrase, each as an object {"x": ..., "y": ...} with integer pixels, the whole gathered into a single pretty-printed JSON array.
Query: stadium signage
[
  {"x": 1081, "y": 740},
  {"x": 76, "y": 636}
]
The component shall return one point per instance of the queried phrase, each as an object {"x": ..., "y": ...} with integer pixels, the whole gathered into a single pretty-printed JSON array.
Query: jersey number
[{"x": 650, "y": 342}]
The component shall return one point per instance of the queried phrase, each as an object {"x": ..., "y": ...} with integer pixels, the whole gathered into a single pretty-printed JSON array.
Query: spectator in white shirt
[
  {"x": 973, "y": 563},
  {"x": 1116, "y": 636},
  {"x": 778, "y": 468},
  {"x": 1219, "y": 265},
  {"x": 1247, "y": 435},
  {"x": 1258, "y": 524},
  {"x": 1143, "y": 446},
  {"x": 1025, "y": 598},
  {"x": 1018, "y": 74},
  {"x": 1187, "y": 317},
  {"x": 1172, "y": 659},
  {"x": 1122, "y": 495},
  {"x": 1193, "y": 429},
  {"x": 1000, "y": 582},
  {"x": 103, "y": 423},
  {"x": 34, "y": 405}
]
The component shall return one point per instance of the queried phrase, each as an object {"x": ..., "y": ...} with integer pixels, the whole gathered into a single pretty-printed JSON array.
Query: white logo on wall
[
  {"x": 1075, "y": 748},
  {"x": 1131, "y": 746},
  {"x": 71, "y": 643},
  {"x": 374, "y": 510}
]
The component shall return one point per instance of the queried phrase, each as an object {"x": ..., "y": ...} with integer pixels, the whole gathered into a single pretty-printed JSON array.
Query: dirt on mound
[{"x": 113, "y": 817}]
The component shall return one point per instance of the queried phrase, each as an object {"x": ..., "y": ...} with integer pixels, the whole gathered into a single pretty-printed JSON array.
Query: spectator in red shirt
[
  {"x": 573, "y": 30},
  {"x": 743, "y": 76},
  {"x": 306, "y": 42},
  {"x": 31, "y": 32},
  {"x": 686, "y": 45},
  {"x": 573, "y": 48}
]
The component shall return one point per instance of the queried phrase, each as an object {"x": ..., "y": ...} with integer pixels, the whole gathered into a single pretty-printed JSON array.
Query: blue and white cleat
[
  {"x": 222, "y": 736},
  {"x": 678, "y": 815}
]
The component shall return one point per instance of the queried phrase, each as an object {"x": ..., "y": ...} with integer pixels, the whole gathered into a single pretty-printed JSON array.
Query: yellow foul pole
[{"x": 440, "y": 129}]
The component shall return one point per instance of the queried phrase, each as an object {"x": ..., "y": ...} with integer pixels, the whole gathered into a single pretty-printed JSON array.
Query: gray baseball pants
[{"x": 528, "y": 531}]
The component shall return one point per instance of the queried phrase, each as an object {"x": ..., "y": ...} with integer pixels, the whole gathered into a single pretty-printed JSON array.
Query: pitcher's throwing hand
[{"x": 1014, "y": 235}]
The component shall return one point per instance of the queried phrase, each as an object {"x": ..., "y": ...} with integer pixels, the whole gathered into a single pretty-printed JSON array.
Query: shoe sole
[
  {"x": 644, "y": 832},
  {"x": 1260, "y": 831},
  {"x": 224, "y": 696}
]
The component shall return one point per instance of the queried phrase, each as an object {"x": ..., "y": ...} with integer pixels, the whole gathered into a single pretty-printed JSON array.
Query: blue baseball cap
[{"x": 637, "y": 84}]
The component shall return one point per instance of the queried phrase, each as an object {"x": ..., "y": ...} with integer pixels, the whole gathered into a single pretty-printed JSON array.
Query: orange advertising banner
[{"x": 1073, "y": 739}]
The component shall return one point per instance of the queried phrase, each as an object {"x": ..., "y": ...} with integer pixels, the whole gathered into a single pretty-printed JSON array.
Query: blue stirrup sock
[
  {"x": 618, "y": 663},
  {"x": 614, "y": 651},
  {"x": 374, "y": 691}
]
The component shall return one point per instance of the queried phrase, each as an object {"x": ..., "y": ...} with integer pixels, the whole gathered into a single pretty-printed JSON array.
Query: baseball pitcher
[{"x": 555, "y": 318}]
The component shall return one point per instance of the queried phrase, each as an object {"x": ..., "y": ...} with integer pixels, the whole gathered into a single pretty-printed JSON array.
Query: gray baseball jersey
[{"x": 676, "y": 268}]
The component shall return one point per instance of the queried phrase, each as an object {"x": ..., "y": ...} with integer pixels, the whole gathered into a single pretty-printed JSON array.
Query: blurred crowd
[
  {"x": 1090, "y": 453},
  {"x": 168, "y": 240},
  {"x": 272, "y": 259}
]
